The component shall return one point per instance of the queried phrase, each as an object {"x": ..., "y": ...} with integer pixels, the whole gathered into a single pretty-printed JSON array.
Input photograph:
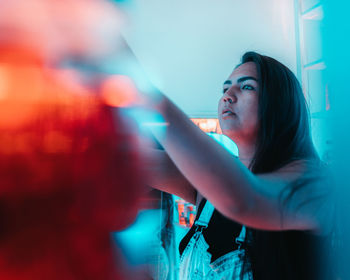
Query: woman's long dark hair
[
  {"x": 283, "y": 115},
  {"x": 284, "y": 136}
]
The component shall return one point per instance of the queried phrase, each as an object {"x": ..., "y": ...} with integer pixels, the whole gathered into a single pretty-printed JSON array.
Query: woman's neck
[
  {"x": 246, "y": 148},
  {"x": 246, "y": 153}
]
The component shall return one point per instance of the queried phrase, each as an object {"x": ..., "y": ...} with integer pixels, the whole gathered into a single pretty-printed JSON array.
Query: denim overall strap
[
  {"x": 205, "y": 215},
  {"x": 241, "y": 238},
  {"x": 195, "y": 261},
  {"x": 204, "y": 219}
]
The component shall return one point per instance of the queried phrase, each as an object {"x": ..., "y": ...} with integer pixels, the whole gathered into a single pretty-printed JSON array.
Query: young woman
[{"x": 273, "y": 212}]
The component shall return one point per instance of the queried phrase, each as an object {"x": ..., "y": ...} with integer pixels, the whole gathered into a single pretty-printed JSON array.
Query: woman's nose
[{"x": 228, "y": 99}]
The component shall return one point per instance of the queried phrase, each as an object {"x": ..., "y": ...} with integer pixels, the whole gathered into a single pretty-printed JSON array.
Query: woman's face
[{"x": 238, "y": 106}]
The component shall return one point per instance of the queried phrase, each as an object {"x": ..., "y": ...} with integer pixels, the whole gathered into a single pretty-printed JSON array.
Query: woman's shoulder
[
  {"x": 315, "y": 189},
  {"x": 293, "y": 171},
  {"x": 314, "y": 174},
  {"x": 306, "y": 168}
]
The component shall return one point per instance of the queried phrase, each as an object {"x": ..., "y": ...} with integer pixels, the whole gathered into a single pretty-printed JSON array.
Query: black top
[{"x": 287, "y": 255}]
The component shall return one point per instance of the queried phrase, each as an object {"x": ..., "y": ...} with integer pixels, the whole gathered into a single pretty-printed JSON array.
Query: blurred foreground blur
[{"x": 69, "y": 164}]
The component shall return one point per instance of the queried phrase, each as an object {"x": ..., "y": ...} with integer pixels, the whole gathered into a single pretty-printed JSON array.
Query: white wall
[{"x": 189, "y": 47}]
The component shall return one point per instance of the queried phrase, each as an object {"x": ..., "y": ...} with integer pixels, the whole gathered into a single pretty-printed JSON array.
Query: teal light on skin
[{"x": 146, "y": 120}]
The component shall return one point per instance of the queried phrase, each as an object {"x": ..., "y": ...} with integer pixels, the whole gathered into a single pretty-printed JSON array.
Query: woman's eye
[{"x": 247, "y": 87}]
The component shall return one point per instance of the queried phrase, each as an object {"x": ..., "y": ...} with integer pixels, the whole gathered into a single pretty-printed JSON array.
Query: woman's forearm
[{"x": 165, "y": 176}]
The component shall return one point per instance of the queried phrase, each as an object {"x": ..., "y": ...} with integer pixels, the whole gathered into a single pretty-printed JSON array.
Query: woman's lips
[{"x": 226, "y": 113}]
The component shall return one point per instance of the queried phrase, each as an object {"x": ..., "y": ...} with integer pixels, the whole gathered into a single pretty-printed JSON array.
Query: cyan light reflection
[
  {"x": 226, "y": 142},
  {"x": 137, "y": 240},
  {"x": 146, "y": 120},
  {"x": 336, "y": 45}
]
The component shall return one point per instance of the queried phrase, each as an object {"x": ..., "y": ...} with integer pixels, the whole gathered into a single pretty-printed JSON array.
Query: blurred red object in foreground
[
  {"x": 68, "y": 175},
  {"x": 89, "y": 29},
  {"x": 119, "y": 91}
]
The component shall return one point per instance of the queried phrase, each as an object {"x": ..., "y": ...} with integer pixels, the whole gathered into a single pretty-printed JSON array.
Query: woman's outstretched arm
[{"x": 231, "y": 187}]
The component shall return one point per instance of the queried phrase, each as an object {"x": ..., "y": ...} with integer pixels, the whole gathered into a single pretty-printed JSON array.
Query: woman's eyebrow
[{"x": 240, "y": 80}]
